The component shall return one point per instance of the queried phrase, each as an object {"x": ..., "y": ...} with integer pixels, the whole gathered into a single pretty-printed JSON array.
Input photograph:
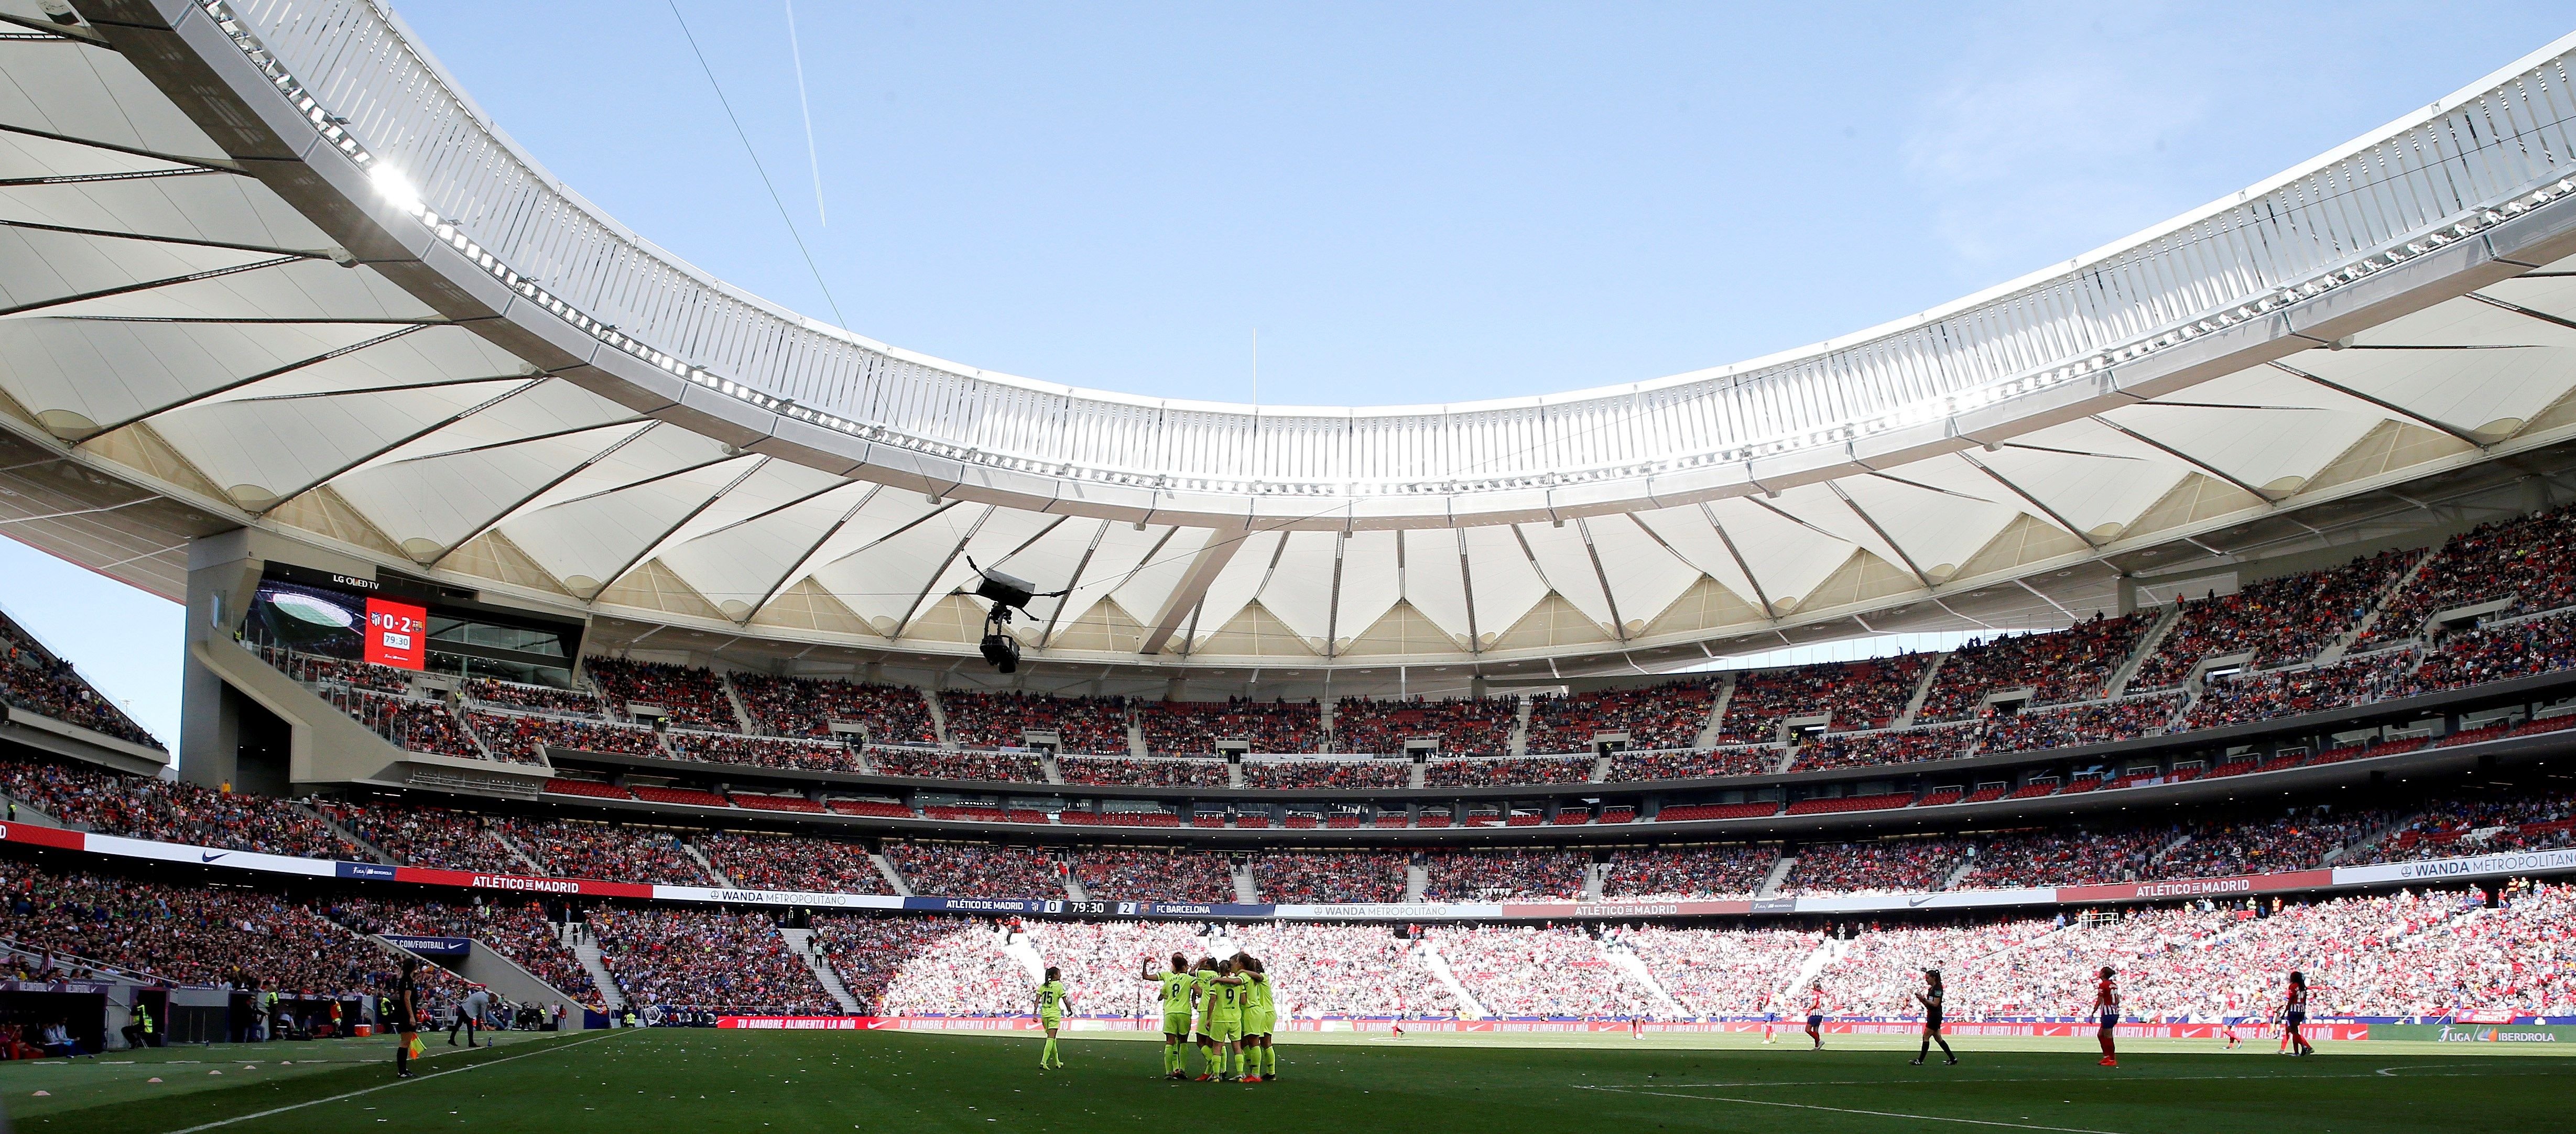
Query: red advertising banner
[
  {"x": 2238, "y": 885},
  {"x": 397, "y": 634},
  {"x": 522, "y": 883},
  {"x": 54, "y": 837}
]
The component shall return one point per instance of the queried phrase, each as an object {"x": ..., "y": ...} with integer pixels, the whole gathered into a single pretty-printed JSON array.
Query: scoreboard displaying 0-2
[{"x": 397, "y": 633}]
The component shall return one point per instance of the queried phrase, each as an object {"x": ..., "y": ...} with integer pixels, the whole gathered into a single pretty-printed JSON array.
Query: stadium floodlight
[{"x": 1007, "y": 593}]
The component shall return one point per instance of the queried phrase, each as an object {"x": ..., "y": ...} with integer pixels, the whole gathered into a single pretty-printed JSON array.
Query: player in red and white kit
[
  {"x": 2294, "y": 1012},
  {"x": 2106, "y": 1005},
  {"x": 1816, "y": 1015},
  {"x": 2227, "y": 1019}
]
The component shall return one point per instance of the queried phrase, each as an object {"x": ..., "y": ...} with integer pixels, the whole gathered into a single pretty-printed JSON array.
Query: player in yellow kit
[
  {"x": 1221, "y": 1020},
  {"x": 1177, "y": 988},
  {"x": 1260, "y": 1015},
  {"x": 1051, "y": 1000}
]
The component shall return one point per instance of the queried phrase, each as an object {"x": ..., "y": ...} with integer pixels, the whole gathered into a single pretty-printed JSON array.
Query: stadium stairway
[
  {"x": 511, "y": 845},
  {"x": 801, "y": 943},
  {"x": 1922, "y": 692},
  {"x": 1049, "y": 767},
  {"x": 1600, "y": 770},
  {"x": 1779, "y": 875},
  {"x": 1018, "y": 947},
  {"x": 35, "y": 816},
  {"x": 1708, "y": 730},
  {"x": 585, "y": 948},
  {"x": 348, "y": 836},
  {"x": 1627, "y": 961},
  {"x": 487, "y": 966},
  {"x": 2147, "y": 644},
  {"x": 1959, "y": 873},
  {"x": 2336, "y": 649},
  {"x": 1417, "y": 881},
  {"x": 1593, "y": 875},
  {"x": 1246, "y": 890},
  {"x": 938, "y": 716},
  {"x": 1825, "y": 953},
  {"x": 700, "y": 857},
  {"x": 742, "y": 719},
  {"x": 1075, "y": 891},
  {"x": 1468, "y": 1005},
  {"x": 893, "y": 877},
  {"x": 1520, "y": 726}
]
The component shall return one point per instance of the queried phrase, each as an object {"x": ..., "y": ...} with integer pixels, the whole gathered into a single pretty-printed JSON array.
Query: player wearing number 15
[
  {"x": 1051, "y": 1001},
  {"x": 1177, "y": 986}
]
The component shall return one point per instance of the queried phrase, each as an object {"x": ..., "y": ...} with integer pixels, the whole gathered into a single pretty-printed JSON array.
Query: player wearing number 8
[{"x": 1176, "y": 988}]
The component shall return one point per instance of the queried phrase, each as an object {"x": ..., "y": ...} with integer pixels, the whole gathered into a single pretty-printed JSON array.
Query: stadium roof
[{"x": 265, "y": 264}]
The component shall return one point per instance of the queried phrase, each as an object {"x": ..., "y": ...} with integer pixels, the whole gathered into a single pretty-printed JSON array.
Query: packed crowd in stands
[
  {"x": 2075, "y": 856},
  {"x": 867, "y": 950},
  {"x": 2242, "y": 698},
  {"x": 186, "y": 934},
  {"x": 2280, "y": 621},
  {"x": 1499, "y": 875},
  {"x": 2297, "y": 841},
  {"x": 789, "y": 862},
  {"x": 1878, "y": 866},
  {"x": 1192, "y": 728},
  {"x": 1692, "y": 874},
  {"x": 964, "y": 971},
  {"x": 1525, "y": 971},
  {"x": 574, "y": 848},
  {"x": 1899, "y": 746},
  {"x": 1095, "y": 725},
  {"x": 1856, "y": 695},
  {"x": 763, "y": 751},
  {"x": 1346, "y": 970},
  {"x": 1288, "y": 775},
  {"x": 48, "y": 686},
  {"x": 705, "y": 959},
  {"x": 1509, "y": 770},
  {"x": 416, "y": 835},
  {"x": 2095, "y": 723},
  {"x": 417, "y": 726},
  {"x": 2481, "y": 823},
  {"x": 2065, "y": 665},
  {"x": 2494, "y": 653},
  {"x": 1670, "y": 715},
  {"x": 688, "y": 696},
  {"x": 1748, "y": 761},
  {"x": 808, "y": 707},
  {"x": 169, "y": 811},
  {"x": 1463, "y": 726},
  {"x": 958, "y": 870},
  {"x": 997, "y": 767},
  {"x": 1723, "y": 973},
  {"x": 517, "y": 738},
  {"x": 1111, "y": 874},
  {"x": 1326, "y": 877},
  {"x": 518, "y": 927},
  {"x": 2530, "y": 559},
  {"x": 1151, "y": 773},
  {"x": 529, "y": 698}
]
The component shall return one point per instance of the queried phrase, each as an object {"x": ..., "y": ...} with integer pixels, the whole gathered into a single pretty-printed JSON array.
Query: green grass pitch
[{"x": 710, "y": 1081}]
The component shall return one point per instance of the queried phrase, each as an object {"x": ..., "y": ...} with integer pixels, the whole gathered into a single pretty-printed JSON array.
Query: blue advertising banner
[{"x": 451, "y": 947}]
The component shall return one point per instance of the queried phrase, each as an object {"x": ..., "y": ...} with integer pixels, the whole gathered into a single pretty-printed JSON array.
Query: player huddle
[{"x": 1234, "y": 1013}]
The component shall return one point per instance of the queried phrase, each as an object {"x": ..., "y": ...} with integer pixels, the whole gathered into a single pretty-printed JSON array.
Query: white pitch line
[
  {"x": 2386, "y": 1071},
  {"x": 1871, "y": 1113},
  {"x": 386, "y": 1086}
]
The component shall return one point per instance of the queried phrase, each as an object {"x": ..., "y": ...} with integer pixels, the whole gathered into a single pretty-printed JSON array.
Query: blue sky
[{"x": 1418, "y": 203}]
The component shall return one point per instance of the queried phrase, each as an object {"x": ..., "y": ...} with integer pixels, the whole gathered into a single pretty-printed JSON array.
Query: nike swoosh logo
[
  {"x": 1918, "y": 901},
  {"x": 214, "y": 856}
]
